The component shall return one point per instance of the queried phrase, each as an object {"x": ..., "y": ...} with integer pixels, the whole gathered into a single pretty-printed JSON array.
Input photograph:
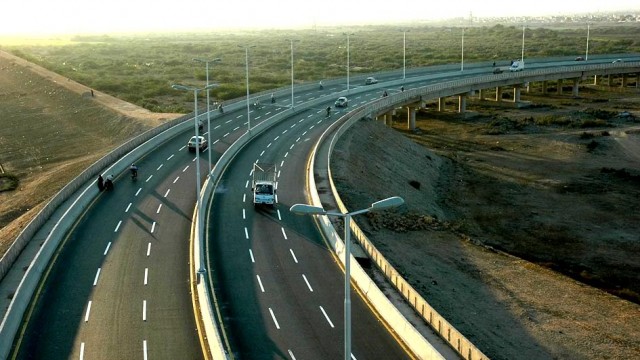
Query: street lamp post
[
  {"x": 208, "y": 109},
  {"x": 292, "y": 103},
  {"x": 586, "y": 56},
  {"x": 404, "y": 55},
  {"x": 195, "y": 90},
  {"x": 522, "y": 56},
  {"x": 304, "y": 209},
  {"x": 348, "y": 59},
  {"x": 246, "y": 60},
  {"x": 462, "y": 62}
]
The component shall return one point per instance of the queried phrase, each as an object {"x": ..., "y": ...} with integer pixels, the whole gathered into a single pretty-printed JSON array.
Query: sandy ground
[
  {"x": 64, "y": 128},
  {"x": 511, "y": 223}
]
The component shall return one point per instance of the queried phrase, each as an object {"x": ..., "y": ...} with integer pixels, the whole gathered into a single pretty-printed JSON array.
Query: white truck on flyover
[{"x": 264, "y": 184}]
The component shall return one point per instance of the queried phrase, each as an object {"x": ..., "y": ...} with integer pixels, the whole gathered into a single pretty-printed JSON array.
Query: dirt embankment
[
  {"x": 52, "y": 128},
  {"x": 505, "y": 212}
]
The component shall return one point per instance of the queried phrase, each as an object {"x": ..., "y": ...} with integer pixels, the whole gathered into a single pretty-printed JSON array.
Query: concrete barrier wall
[{"x": 76, "y": 196}]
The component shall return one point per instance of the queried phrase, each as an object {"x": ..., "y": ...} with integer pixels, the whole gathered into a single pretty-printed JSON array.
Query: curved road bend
[
  {"x": 277, "y": 281},
  {"x": 119, "y": 289}
]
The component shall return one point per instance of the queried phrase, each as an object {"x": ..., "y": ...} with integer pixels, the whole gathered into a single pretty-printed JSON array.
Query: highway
[{"x": 118, "y": 288}]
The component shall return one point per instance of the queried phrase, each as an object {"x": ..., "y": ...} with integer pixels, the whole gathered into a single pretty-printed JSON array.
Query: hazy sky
[{"x": 90, "y": 16}]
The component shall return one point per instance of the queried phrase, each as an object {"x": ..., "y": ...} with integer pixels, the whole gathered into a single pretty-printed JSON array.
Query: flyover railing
[{"x": 465, "y": 348}]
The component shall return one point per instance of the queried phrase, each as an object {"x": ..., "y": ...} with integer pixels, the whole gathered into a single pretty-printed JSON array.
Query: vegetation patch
[{"x": 8, "y": 182}]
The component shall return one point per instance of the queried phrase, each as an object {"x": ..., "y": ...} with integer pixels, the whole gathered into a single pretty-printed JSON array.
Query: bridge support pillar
[
  {"x": 544, "y": 87},
  {"x": 411, "y": 118},
  {"x": 388, "y": 119},
  {"x": 608, "y": 80},
  {"x": 480, "y": 95},
  {"x": 516, "y": 93},
  {"x": 498, "y": 93},
  {"x": 462, "y": 103},
  {"x": 440, "y": 104},
  {"x": 576, "y": 83},
  {"x": 559, "y": 88},
  {"x": 624, "y": 80}
]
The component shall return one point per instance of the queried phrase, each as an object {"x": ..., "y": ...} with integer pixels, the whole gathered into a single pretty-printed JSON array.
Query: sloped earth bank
[{"x": 503, "y": 226}]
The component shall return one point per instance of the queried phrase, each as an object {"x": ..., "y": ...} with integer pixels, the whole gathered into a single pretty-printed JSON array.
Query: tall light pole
[
  {"x": 522, "y": 56},
  {"x": 195, "y": 90},
  {"x": 404, "y": 55},
  {"x": 348, "y": 56},
  {"x": 208, "y": 109},
  {"x": 246, "y": 60},
  {"x": 304, "y": 209},
  {"x": 462, "y": 62},
  {"x": 292, "y": 103},
  {"x": 586, "y": 56}
]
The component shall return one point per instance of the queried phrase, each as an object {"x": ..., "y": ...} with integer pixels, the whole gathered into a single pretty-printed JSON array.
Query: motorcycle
[{"x": 134, "y": 174}]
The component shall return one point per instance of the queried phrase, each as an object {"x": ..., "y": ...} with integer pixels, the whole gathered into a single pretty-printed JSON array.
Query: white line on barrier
[
  {"x": 185, "y": 169},
  {"x": 159, "y": 207},
  {"x": 279, "y": 217},
  {"x": 153, "y": 227},
  {"x": 144, "y": 310},
  {"x": 86, "y": 314},
  {"x": 118, "y": 226},
  {"x": 291, "y": 354},
  {"x": 307, "y": 281},
  {"x": 146, "y": 275},
  {"x": 127, "y": 209},
  {"x": 260, "y": 283},
  {"x": 107, "y": 249},
  {"x": 138, "y": 192},
  {"x": 293, "y": 255},
  {"x": 243, "y": 214},
  {"x": 274, "y": 319},
  {"x": 283, "y": 233},
  {"x": 167, "y": 193},
  {"x": 326, "y": 316},
  {"x": 82, "y": 351},
  {"x": 246, "y": 233},
  {"x": 176, "y": 179},
  {"x": 95, "y": 280},
  {"x": 149, "y": 178},
  {"x": 253, "y": 260},
  {"x": 144, "y": 349},
  {"x": 160, "y": 167},
  {"x": 148, "y": 249},
  {"x": 169, "y": 158}
]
